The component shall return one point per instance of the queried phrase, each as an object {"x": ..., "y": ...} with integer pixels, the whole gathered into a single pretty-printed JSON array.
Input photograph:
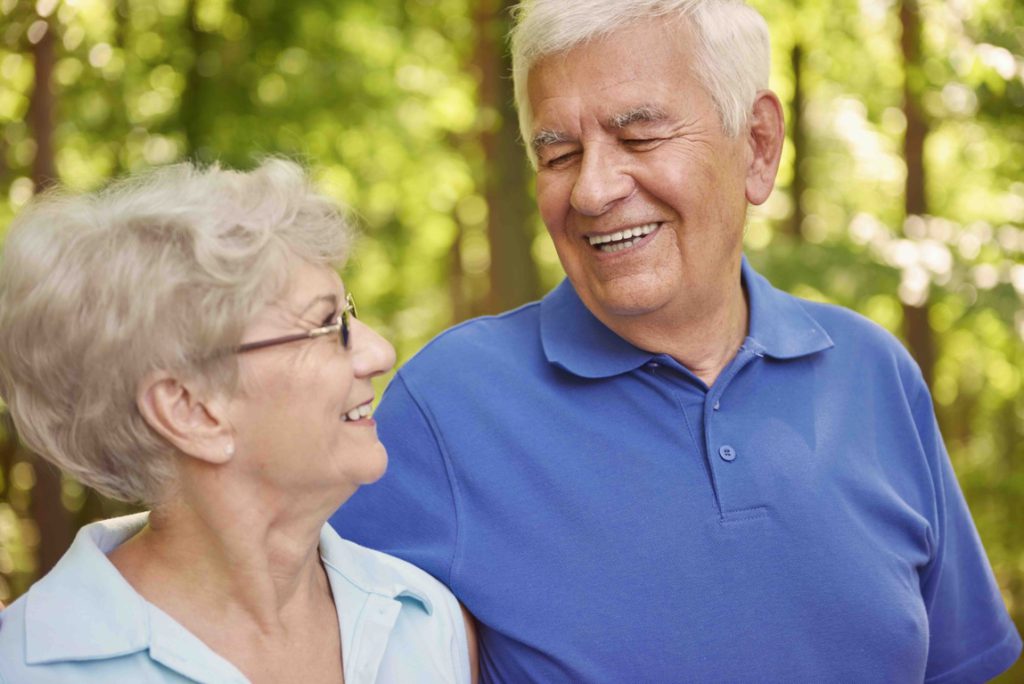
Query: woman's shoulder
[
  {"x": 426, "y": 638},
  {"x": 74, "y": 620},
  {"x": 377, "y": 572},
  {"x": 12, "y": 641},
  {"x": 82, "y": 621}
]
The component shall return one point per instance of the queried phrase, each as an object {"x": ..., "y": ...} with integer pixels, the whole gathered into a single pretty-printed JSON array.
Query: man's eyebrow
[
  {"x": 641, "y": 114},
  {"x": 547, "y": 136}
]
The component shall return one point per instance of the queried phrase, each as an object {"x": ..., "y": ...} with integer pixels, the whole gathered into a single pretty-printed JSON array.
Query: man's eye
[
  {"x": 331, "y": 317},
  {"x": 641, "y": 143},
  {"x": 560, "y": 160}
]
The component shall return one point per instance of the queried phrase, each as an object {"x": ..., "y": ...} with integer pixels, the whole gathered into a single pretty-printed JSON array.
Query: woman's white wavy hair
[
  {"x": 732, "y": 54},
  {"x": 157, "y": 272}
]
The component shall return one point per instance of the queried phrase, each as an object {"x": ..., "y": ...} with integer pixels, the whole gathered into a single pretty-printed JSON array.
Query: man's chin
[{"x": 624, "y": 298}]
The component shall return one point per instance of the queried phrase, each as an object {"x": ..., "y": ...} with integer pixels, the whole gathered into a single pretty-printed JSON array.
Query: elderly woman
[{"x": 183, "y": 340}]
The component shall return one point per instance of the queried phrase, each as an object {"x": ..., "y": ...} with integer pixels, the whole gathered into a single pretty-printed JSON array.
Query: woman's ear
[
  {"x": 192, "y": 420},
  {"x": 766, "y": 133}
]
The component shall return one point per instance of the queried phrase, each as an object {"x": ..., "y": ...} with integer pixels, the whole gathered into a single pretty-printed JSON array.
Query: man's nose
[
  {"x": 372, "y": 354},
  {"x": 602, "y": 181}
]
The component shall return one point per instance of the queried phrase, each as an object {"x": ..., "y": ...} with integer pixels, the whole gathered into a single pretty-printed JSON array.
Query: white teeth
[
  {"x": 359, "y": 412},
  {"x": 604, "y": 240}
]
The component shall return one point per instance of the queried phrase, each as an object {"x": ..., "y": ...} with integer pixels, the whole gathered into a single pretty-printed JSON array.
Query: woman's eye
[{"x": 331, "y": 317}]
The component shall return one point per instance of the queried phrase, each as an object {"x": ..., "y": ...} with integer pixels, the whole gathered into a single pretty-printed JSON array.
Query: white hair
[
  {"x": 732, "y": 53},
  {"x": 158, "y": 272}
]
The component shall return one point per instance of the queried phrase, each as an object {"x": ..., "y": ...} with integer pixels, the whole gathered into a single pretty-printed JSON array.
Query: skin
[
  {"x": 625, "y": 136},
  {"x": 232, "y": 554}
]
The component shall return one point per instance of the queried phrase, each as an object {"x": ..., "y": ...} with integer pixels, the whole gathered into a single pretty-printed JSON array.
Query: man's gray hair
[
  {"x": 732, "y": 54},
  {"x": 161, "y": 271}
]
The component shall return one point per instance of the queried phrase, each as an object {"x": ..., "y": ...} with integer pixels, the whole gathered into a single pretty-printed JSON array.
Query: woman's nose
[{"x": 372, "y": 354}]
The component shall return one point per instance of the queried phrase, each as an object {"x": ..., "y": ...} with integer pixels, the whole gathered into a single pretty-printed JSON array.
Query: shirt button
[
  {"x": 717, "y": 405},
  {"x": 727, "y": 453}
]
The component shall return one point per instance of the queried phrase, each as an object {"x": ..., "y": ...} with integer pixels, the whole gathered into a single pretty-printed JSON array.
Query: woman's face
[{"x": 296, "y": 413}]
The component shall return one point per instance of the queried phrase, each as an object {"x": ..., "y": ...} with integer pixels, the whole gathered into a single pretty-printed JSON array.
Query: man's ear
[
  {"x": 766, "y": 133},
  {"x": 192, "y": 421}
]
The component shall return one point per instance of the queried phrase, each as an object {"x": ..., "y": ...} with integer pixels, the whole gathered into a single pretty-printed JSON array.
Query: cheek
[
  {"x": 553, "y": 199},
  {"x": 296, "y": 389},
  {"x": 269, "y": 381}
]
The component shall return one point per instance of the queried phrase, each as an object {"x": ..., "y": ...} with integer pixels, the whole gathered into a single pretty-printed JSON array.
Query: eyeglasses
[{"x": 341, "y": 326}]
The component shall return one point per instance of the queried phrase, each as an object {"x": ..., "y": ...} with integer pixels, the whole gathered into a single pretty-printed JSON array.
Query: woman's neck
[{"x": 246, "y": 559}]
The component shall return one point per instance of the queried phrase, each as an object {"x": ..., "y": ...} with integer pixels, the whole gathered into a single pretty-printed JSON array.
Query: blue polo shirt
[{"x": 607, "y": 517}]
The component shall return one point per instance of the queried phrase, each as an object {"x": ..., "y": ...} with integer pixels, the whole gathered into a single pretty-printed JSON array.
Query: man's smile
[{"x": 621, "y": 239}]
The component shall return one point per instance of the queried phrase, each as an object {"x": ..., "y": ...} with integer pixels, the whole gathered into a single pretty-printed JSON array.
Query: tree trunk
[
  {"x": 54, "y": 521},
  {"x": 916, "y": 327},
  {"x": 513, "y": 273},
  {"x": 191, "y": 107},
  {"x": 798, "y": 135},
  {"x": 118, "y": 126},
  {"x": 456, "y": 280},
  {"x": 40, "y": 111},
  {"x": 8, "y": 448}
]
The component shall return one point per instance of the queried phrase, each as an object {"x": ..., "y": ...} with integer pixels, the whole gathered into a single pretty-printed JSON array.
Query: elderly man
[{"x": 668, "y": 470}]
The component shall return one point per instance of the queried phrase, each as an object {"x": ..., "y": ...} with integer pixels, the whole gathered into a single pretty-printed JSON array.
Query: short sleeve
[
  {"x": 971, "y": 636},
  {"x": 410, "y": 512}
]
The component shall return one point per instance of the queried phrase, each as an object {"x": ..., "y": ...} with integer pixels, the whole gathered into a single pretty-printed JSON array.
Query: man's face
[{"x": 629, "y": 143}]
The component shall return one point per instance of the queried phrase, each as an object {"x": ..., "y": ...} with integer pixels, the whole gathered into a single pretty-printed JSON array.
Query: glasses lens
[{"x": 349, "y": 310}]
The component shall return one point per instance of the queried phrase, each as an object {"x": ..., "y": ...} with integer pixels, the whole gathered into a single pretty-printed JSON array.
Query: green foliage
[{"x": 382, "y": 99}]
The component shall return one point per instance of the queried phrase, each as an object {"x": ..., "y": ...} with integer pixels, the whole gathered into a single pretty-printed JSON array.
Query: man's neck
[{"x": 704, "y": 341}]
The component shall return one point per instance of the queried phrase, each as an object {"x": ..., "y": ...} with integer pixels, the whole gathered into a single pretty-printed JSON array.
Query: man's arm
[{"x": 971, "y": 636}]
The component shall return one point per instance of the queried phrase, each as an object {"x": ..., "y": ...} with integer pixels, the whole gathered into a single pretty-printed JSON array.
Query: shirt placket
[
  {"x": 725, "y": 462},
  {"x": 370, "y": 639}
]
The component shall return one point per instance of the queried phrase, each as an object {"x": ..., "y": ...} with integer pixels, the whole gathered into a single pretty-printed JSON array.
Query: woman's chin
[
  {"x": 381, "y": 465},
  {"x": 369, "y": 466}
]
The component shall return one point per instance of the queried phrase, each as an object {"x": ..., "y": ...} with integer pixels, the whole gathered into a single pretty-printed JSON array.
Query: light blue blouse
[{"x": 83, "y": 622}]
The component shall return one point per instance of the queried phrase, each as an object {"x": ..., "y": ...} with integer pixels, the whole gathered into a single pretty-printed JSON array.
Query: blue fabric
[
  {"x": 83, "y": 622},
  {"x": 609, "y": 518}
]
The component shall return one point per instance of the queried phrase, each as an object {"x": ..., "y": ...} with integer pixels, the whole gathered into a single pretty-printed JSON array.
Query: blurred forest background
[{"x": 901, "y": 193}]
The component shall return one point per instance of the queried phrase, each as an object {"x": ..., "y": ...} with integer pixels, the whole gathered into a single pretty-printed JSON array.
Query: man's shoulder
[
  {"x": 855, "y": 335},
  {"x": 479, "y": 340},
  {"x": 842, "y": 323}
]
